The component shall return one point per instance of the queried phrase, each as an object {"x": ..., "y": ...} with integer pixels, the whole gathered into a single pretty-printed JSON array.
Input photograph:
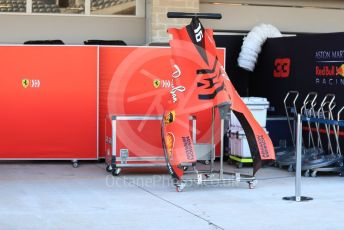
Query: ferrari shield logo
[
  {"x": 25, "y": 83},
  {"x": 156, "y": 83}
]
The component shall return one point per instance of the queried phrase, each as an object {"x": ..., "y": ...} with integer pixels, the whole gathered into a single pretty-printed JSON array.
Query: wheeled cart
[
  {"x": 126, "y": 147},
  {"x": 134, "y": 141},
  {"x": 211, "y": 175}
]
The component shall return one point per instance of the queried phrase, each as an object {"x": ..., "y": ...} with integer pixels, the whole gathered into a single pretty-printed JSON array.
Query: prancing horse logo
[
  {"x": 25, "y": 83},
  {"x": 156, "y": 83}
]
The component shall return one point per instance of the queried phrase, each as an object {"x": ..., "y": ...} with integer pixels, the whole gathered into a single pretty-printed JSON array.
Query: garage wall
[
  {"x": 71, "y": 29},
  {"x": 327, "y": 16},
  {"x": 157, "y": 22}
]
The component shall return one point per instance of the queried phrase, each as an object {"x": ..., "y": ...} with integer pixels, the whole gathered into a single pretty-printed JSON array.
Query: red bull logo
[
  {"x": 329, "y": 70},
  {"x": 340, "y": 70},
  {"x": 329, "y": 75}
]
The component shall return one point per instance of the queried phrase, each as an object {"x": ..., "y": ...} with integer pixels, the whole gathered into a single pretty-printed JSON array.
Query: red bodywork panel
[{"x": 202, "y": 83}]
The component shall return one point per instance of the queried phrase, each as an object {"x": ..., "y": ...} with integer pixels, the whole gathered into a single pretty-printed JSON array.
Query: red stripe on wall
[{"x": 341, "y": 133}]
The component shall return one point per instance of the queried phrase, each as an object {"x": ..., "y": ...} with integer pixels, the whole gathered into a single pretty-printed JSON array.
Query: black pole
[{"x": 193, "y": 15}]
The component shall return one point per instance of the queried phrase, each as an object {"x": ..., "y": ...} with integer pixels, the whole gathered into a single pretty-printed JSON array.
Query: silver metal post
[
  {"x": 212, "y": 139},
  {"x": 221, "y": 143},
  {"x": 298, "y": 196},
  {"x": 298, "y": 159},
  {"x": 114, "y": 135},
  {"x": 194, "y": 130}
]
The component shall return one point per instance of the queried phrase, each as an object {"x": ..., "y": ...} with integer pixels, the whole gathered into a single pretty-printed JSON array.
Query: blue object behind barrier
[{"x": 323, "y": 121}]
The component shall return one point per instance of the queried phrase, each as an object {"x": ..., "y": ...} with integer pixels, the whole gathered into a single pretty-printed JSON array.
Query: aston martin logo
[
  {"x": 156, "y": 83},
  {"x": 25, "y": 83}
]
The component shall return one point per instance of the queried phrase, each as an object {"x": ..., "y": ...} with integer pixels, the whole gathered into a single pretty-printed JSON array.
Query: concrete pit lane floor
[{"x": 54, "y": 195}]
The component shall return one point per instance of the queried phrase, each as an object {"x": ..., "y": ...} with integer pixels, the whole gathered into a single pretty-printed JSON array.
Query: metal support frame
[
  {"x": 212, "y": 176},
  {"x": 125, "y": 161},
  {"x": 294, "y": 110}
]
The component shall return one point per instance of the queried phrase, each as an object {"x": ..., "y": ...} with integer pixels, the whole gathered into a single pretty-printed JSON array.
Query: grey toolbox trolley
[{"x": 140, "y": 153}]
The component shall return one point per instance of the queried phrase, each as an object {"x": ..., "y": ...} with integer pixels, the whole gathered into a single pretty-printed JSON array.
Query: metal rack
[
  {"x": 116, "y": 160},
  {"x": 286, "y": 156},
  {"x": 333, "y": 160},
  {"x": 314, "y": 156},
  {"x": 212, "y": 176}
]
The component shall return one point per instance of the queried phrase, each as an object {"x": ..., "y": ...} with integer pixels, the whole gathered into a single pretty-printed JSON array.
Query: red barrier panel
[
  {"x": 137, "y": 81},
  {"x": 48, "y": 101}
]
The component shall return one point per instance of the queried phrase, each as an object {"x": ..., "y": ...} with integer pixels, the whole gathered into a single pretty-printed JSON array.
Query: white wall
[
  {"x": 75, "y": 29},
  {"x": 71, "y": 29},
  {"x": 286, "y": 19}
]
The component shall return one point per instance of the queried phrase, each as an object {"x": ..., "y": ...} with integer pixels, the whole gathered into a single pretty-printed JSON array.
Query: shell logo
[{"x": 170, "y": 117}]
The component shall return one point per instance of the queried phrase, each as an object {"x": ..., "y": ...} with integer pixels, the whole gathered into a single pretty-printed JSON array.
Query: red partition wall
[
  {"x": 48, "y": 101},
  {"x": 135, "y": 81}
]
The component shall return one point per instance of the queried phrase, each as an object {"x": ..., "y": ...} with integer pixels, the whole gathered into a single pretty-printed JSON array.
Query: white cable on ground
[{"x": 253, "y": 43}]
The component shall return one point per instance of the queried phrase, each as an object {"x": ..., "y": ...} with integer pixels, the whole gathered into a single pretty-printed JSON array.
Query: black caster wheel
[
  {"x": 180, "y": 187},
  {"x": 75, "y": 164},
  {"x": 116, "y": 171},
  {"x": 314, "y": 174},
  {"x": 306, "y": 174},
  {"x": 109, "y": 168},
  {"x": 252, "y": 184},
  {"x": 239, "y": 165}
]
